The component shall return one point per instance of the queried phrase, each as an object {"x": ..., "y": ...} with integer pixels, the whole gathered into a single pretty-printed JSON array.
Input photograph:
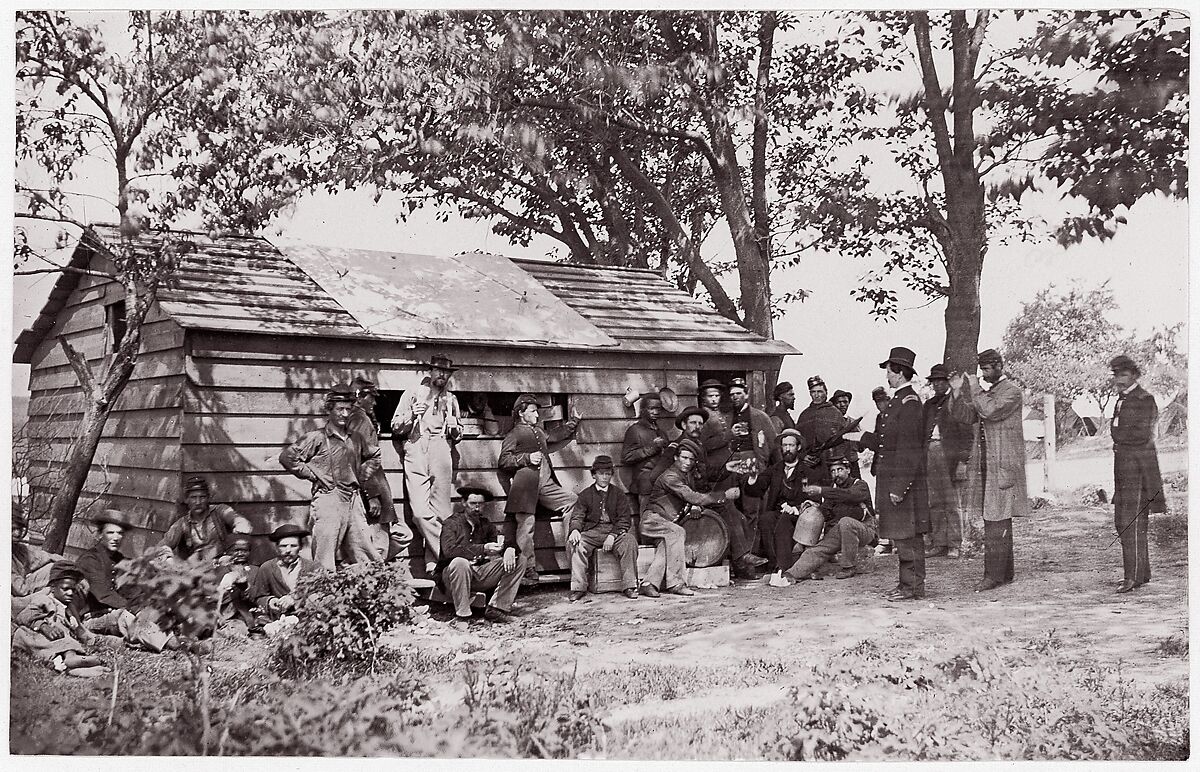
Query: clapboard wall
[
  {"x": 248, "y": 396},
  {"x": 136, "y": 466}
]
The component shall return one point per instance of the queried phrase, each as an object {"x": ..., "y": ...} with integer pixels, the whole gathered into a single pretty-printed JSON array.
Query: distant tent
[{"x": 1172, "y": 419}]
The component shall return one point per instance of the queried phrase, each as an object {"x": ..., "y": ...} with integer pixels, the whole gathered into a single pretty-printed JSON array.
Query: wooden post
[{"x": 1049, "y": 440}]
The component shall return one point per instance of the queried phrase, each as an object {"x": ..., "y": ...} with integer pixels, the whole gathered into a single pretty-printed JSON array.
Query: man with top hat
[
  {"x": 820, "y": 421},
  {"x": 428, "y": 420},
  {"x": 527, "y": 474},
  {"x": 948, "y": 443},
  {"x": 273, "y": 586},
  {"x": 205, "y": 530},
  {"x": 996, "y": 474},
  {"x": 781, "y": 488},
  {"x": 785, "y": 403},
  {"x": 1139, "y": 488},
  {"x": 388, "y": 529},
  {"x": 901, "y": 496},
  {"x": 106, "y": 610},
  {"x": 644, "y": 443},
  {"x": 601, "y": 518},
  {"x": 475, "y": 559},
  {"x": 337, "y": 461},
  {"x": 50, "y": 629},
  {"x": 849, "y": 524}
]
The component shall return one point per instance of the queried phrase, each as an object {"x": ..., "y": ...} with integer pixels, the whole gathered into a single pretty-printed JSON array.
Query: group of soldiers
[{"x": 786, "y": 487}]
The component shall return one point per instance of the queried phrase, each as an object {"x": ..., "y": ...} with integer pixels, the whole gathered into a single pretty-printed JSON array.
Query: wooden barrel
[{"x": 706, "y": 541}]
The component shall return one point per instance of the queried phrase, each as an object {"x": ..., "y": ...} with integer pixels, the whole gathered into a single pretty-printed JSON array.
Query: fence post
[{"x": 1049, "y": 439}]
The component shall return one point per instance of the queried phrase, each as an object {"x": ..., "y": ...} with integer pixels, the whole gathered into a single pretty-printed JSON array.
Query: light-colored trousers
[
  {"x": 625, "y": 549},
  {"x": 338, "y": 521},
  {"x": 669, "y": 567},
  {"x": 461, "y": 579},
  {"x": 428, "y": 484},
  {"x": 140, "y": 630}
]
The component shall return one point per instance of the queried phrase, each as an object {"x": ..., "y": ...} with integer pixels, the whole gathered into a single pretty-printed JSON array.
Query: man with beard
[
  {"x": 644, "y": 443},
  {"x": 527, "y": 474},
  {"x": 390, "y": 534},
  {"x": 996, "y": 475},
  {"x": 475, "y": 559},
  {"x": 948, "y": 443},
  {"x": 1139, "y": 488},
  {"x": 427, "y": 419},
  {"x": 900, "y": 495},
  {"x": 848, "y": 524},
  {"x": 848, "y": 449},
  {"x": 781, "y": 489},
  {"x": 820, "y": 421},
  {"x": 274, "y": 584},
  {"x": 205, "y": 530},
  {"x": 785, "y": 403},
  {"x": 337, "y": 462}
]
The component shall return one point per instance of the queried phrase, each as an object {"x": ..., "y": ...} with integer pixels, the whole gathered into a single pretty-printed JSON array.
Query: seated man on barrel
[
  {"x": 849, "y": 524},
  {"x": 601, "y": 518}
]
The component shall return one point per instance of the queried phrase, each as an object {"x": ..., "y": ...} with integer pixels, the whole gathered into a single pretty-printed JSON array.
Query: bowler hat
[
  {"x": 195, "y": 484},
  {"x": 815, "y": 380},
  {"x": 792, "y": 433},
  {"x": 900, "y": 356},
  {"x": 602, "y": 463},
  {"x": 467, "y": 490},
  {"x": 361, "y": 386},
  {"x": 783, "y": 387},
  {"x": 688, "y": 445},
  {"x": 286, "y": 530},
  {"x": 64, "y": 569},
  {"x": 340, "y": 393},
  {"x": 841, "y": 393},
  {"x": 113, "y": 517},
  {"x": 1122, "y": 362},
  {"x": 712, "y": 383},
  {"x": 738, "y": 383},
  {"x": 938, "y": 373},
  {"x": 689, "y": 411},
  {"x": 990, "y": 357},
  {"x": 442, "y": 362}
]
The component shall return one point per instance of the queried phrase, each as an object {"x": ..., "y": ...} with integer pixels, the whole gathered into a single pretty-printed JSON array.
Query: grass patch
[{"x": 1174, "y": 645}]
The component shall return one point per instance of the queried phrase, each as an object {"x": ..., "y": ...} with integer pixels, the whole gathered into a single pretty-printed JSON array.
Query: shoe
[
  {"x": 460, "y": 623},
  {"x": 649, "y": 591},
  {"x": 846, "y": 573},
  {"x": 988, "y": 584},
  {"x": 754, "y": 560},
  {"x": 256, "y": 632},
  {"x": 630, "y": 593},
  {"x": 576, "y": 595},
  {"x": 1127, "y": 586},
  {"x": 529, "y": 581},
  {"x": 493, "y": 614},
  {"x": 779, "y": 579},
  {"x": 899, "y": 593},
  {"x": 680, "y": 589},
  {"x": 936, "y": 552}
]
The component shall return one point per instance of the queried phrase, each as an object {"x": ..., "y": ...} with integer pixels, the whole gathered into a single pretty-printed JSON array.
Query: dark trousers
[
  {"x": 737, "y": 524},
  {"x": 782, "y": 543},
  {"x": 911, "y": 553},
  {"x": 1134, "y": 528},
  {"x": 997, "y": 551}
]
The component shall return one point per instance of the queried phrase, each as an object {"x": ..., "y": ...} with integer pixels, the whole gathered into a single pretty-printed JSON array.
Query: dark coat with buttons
[
  {"x": 899, "y": 445},
  {"x": 1135, "y": 459}
]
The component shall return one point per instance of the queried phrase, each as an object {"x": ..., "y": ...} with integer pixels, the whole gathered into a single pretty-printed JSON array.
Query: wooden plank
[
  {"x": 150, "y": 453},
  {"x": 134, "y": 483},
  {"x": 137, "y": 395},
  {"x": 300, "y": 403},
  {"x": 277, "y": 430},
  {"x": 332, "y": 328},
  {"x": 85, "y": 316},
  {"x": 264, "y": 313},
  {"x": 163, "y": 422},
  {"x": 155, "y": 364},
  {"x": 218, "y": 300},
  {"x": 268, "y": 374}
]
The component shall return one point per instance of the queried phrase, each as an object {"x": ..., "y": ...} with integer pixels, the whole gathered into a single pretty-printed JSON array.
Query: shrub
[
  {"x": 182, "y": 595},
  {"x": 342, "y": 614}
]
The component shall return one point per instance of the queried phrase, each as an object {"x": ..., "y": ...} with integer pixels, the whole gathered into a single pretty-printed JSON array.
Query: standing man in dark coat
[
  {"x": 1139, "y": 488},
  {"x": 644, "y": 443},
  {"x": 848, "y": 449},
  {"x": 527, "y": 474},
  {"x": 820, "y": 421},
  {"x": 901, "y": 498},
  {"x": 601, "y": 519},
  {"x": 388, "y": 529},
  {"x": 714, "y": 438},
  {"x": 785, "y": 403},
  {"x": 948, "y": 443}
]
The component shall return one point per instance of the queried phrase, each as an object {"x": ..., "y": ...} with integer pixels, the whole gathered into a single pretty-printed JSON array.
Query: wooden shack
[{"x": 241, "y": 346}]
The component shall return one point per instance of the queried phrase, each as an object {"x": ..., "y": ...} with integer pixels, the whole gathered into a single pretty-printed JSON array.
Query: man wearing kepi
[
  {"x": 1139, "y": 489},
  {"x": 428, "y": 419},
  {"x": 820, "y": 421},
  {"x": 901, "y": 499},
  {"x": 475, "y": 559},
  {"x": 527, "y": 474},
  {"x": 336, "y": 461},
  {"x": 996, "y": 474},
  {"x": 849, "y": 524},
  {"x": 205, "y": 530},
  {"x": 601, "y": 518},
  {"x": 644, "y": 443},
  {"x": 948, "y": 442}
]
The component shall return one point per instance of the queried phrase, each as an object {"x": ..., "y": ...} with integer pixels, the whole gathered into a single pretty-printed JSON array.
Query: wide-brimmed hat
[
  {"x": 783, "y": 387},
  {"x": 841, "y": 393},
  {"x": 1122, "y": 362},
  {"x": 64, "y": 569},
  {"x": 467, "y": 490},
  {"x": 602, "y": 463},
  {"x": 286, "y": 530},
  {"x": 712, "y": 383},
  {"x": 990, "y": 357},
  {"x": 668, "y": 399},
  {"x": 938, "y": 372},
  {"x": 112, "y": 517},
  {"x": 689, "y": 411},
  {"x": 442, "y": 362},
  {"x": 905, "y": 357},
  {"x": 815, "y": 380},
  {"x": 688, "y": 445}
]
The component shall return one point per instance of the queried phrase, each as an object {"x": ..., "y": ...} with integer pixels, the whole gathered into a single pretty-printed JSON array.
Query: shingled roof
[{"x": 248, "y": 284}]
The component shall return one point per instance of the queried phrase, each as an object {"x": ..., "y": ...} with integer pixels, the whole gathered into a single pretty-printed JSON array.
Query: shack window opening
[
  {"x": 385, "y": 407},
  {"x": 116, "y": 323},
  {"x": 724, "y": 376},
  {"x": 483, "y": 414}
]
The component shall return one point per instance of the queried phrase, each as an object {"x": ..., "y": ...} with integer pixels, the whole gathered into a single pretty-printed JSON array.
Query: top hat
[
  {"x": 900, "y": 356},
  {"x": 286, "y": 530},
  {"x": 442, "y": 362},
  {"x": 990, "y": 357},
  {"x": 1122, "y": 362},
  {"x": 467, "y": 490},
  {"x": 689, "y": 411},
  {"x": 938, "y": 373},
  {"x": 602, "y": 463},
  {"x": 783, "y": 387},
  {"x": 113, "y": 517}
]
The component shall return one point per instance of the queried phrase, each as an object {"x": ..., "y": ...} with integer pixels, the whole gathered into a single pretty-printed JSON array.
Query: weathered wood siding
[
  {"x": 136, "y": 466},
  {"x": 249, "y": 396}
]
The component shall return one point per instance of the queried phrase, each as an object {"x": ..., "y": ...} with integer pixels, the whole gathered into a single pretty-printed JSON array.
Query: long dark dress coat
[
  {"x": 1135, "y": 459},
  {"x": 899, "y": 445},
  {"x": 520, "y": 479}
]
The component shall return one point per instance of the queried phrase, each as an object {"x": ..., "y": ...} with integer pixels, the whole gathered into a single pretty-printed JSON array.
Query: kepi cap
[
  {"x": 64, "y": 569},
  {"x": 938, "y": 373},
  {"x": 783, "y": 387},
  {"x": 815, "y": 380},
  {"x": 990, "y": 357}
]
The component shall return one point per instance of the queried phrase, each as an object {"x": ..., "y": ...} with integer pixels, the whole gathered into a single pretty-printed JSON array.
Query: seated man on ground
[
  {"x": 108, "y": 611},
  {"x": 49, "y": 627},
  {"x": 203, "y": 533},
  {"x": 236, "y": 574},
  {"x": 474, "y": 559},
  {"x": 849, "y": 524},
  {"x": 781, "y": 488},
  {"x": 31, "y": 565},
  {"x": 601, "y": 518},
  {"x": 273, "y": 585}
]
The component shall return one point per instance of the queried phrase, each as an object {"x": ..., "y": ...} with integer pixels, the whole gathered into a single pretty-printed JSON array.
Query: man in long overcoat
[
  {"x": 527, "y": 474},
  {"x": 901, "y": 498},
  {"x": 1139, "y": 488},
  {"x": 996, "y": 475}
]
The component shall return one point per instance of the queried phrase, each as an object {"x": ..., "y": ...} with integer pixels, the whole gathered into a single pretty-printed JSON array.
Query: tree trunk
[{"x": 79, "y": 463}]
